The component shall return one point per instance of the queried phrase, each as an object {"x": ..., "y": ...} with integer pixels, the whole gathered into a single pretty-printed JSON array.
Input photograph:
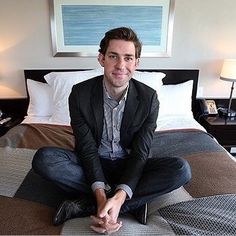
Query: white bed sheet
[
  {"x": 167, "y": 123},
  {"x": 41, "y": 120},
  {"x": 178, "y": 122}
]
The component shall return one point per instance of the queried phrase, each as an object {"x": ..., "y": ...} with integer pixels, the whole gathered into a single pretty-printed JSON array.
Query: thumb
[{"x": 104, "y": 212}]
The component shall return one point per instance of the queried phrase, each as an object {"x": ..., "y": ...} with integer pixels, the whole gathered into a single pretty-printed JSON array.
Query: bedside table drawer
[
  {"x": 226, "y": 137},
  {"x": 223, "y": 129}
]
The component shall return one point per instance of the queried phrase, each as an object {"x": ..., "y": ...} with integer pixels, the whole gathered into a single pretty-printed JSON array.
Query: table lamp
[
  {"x": 228, "y": 73},
  {"x": 7, "y": 92}
]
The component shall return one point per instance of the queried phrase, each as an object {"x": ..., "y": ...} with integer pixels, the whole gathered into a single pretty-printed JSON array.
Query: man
[{"x": 113, "y": 118}]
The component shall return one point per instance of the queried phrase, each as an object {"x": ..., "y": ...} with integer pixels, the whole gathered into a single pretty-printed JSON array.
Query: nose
[{"x": 120, "y": 63}]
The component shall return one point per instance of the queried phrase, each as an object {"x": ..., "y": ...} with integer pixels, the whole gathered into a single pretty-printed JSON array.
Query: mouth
[{"x": 119, "y": 74}]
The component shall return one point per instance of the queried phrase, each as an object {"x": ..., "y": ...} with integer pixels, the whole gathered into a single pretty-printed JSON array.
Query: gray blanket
[
  {"x": 213, "y": 173},
  {"x": 183, "y": 142},
  {"x": 215, "y": 215}
]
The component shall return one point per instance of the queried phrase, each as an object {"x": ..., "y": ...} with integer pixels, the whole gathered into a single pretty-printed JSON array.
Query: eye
[
  {"x": 113, "y": 57},
  {"x": 129, "y": 59}
]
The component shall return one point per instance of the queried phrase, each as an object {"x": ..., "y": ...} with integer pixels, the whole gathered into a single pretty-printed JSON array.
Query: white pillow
[
  {"x": 62, "y": 83},
  {"x": 152, "y": 79},
  {"x": 40, "y": 103},
  {"x": 176, "y": 100}
]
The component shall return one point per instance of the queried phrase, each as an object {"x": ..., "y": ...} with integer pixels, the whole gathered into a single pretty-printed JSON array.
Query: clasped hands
[
  {"x": 105, "y": 225},
  {"x": 106, "y": 220}
]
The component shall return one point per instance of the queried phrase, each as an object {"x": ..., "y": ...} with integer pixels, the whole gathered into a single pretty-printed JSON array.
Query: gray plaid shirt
[{"x": 110, "y": 147}]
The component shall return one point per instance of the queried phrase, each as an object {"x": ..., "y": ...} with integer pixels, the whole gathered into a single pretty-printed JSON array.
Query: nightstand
[
  {"x": 15, "y": 108},
  {"x": 223, "y": 129},
  {"x": 7, "y": 126}
]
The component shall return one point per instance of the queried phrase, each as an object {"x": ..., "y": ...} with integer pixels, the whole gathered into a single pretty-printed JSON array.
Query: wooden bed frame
[{"x": 173, "y": 76}]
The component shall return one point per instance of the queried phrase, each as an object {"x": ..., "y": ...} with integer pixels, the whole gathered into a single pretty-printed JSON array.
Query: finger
[
  {"x": 104, "y": 211},
  {"x": 103, "y": 214},
  {"x": 98, "y": 229},
  {"x": 112, "y": 221},
  {"x": 110, "y": 227},
  {"x": 101, "y": 221},
  {"x": 107, "y": 220},
  {"x": 113, "y": 230},
  {"x": 97, "y": 220},
  {"x": 102, "y": 225}
]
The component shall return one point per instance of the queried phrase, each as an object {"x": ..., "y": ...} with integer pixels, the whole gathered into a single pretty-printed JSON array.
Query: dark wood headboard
[{"x": 173, "y": 76}]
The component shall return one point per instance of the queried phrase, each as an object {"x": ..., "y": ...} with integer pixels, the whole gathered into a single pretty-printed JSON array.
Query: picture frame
[{"x": 77, "y": 26}]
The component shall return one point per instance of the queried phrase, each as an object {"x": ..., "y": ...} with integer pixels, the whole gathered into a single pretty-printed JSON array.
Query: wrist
[
  {"x": 100, "y": 195},
  {"x": 120, "y": 196}
]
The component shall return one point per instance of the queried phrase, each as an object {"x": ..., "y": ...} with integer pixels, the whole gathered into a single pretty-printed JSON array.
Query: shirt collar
[{"x": 123, "y": 97}]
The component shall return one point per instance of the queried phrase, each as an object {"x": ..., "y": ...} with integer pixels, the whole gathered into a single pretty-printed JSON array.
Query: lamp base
[{"x": 226, "y": 113}]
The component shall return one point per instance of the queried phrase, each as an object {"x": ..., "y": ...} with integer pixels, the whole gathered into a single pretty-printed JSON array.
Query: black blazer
[{"x": 137, "y": 127}]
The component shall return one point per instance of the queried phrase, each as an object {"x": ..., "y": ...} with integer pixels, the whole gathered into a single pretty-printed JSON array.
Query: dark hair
[{"x": 122, "y": 33}]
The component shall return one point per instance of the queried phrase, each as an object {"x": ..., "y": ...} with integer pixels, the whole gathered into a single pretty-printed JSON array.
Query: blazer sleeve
[
  {"x": 141, "y": 146},
  {"x": 85, "y": 143}
]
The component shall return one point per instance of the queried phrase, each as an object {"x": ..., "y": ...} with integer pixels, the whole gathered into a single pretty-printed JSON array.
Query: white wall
[{"x": 204, "y": 34}]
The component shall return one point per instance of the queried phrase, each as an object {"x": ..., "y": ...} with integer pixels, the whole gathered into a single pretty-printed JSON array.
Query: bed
[{"x": 204, "y": 206}]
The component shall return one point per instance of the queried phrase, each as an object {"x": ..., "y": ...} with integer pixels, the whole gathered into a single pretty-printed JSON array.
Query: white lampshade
[{"x": 228, "y": 71}]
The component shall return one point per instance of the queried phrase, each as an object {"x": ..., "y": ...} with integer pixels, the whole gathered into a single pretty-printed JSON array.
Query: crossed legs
[{"x": 160, "y": 175}]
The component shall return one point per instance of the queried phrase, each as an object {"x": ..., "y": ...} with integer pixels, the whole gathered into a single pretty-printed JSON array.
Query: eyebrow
[{"x": 115, "y": 53}]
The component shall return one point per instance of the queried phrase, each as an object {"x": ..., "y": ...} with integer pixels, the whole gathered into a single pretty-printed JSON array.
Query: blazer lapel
[
  {"x": 97, "y": 106},
  {"x": 131, "y": 106}
]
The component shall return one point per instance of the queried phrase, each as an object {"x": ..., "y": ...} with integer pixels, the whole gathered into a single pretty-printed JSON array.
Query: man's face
[{"x": 119, "y": 63}]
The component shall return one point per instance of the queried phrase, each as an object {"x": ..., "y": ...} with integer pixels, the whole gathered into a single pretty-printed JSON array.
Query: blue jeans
[{"x": 160, "y": 175}]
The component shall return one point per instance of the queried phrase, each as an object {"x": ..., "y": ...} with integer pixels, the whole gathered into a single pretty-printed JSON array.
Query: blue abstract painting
[{"x": 86, "y": 24}]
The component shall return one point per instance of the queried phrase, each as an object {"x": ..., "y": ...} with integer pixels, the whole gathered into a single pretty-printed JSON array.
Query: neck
[{"x": 115, "y": 93}]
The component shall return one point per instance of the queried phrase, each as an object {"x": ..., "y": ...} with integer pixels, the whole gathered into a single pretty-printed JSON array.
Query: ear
[
  {"x": 101, "y": 59},
  {"x": 137, "y": 62}
]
